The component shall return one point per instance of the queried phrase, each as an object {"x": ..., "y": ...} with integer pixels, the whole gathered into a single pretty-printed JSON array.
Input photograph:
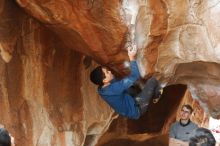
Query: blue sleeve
[
  {"x": 172, "y": 131},
  {"x": 125, "y": 83}
]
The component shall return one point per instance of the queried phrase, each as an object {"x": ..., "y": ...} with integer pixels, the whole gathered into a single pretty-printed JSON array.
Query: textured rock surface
[
  {"x": 161, "y": 140},
  {"x": 189, "y": 53},
  {"x": 177, "y": 38},
  {"x": 94, "y": 28},
  {"x": 45, "y": 96},
  {"x": 47, "y": 47}
]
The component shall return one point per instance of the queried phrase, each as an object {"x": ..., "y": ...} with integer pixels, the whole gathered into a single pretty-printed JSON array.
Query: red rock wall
[
  {"x": 46, "y": 53},
  {"x": 45, "y": 94},
  {"x": 172, "y": 37},
  {"x": 91, "y": 27}
]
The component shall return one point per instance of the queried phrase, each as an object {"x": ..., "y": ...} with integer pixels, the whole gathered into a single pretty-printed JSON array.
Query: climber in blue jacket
[{"x": 114, "y": 92}]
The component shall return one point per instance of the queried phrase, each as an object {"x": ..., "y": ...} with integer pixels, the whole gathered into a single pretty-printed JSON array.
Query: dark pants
[{"x": 151, "y": 87}]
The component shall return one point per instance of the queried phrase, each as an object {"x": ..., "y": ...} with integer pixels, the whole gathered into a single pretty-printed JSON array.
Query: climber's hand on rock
[{"x": 132, "y": 52}]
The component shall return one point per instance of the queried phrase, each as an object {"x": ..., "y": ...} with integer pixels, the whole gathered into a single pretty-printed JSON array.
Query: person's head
[
  {"x": 186, "y": 112},
  {"x": 202, "y": 137},
  {"x": 101, "y": 76},
  {"x": 5, "y": 139}
]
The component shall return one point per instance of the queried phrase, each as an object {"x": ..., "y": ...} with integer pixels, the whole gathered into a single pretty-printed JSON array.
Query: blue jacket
[{"x": 116, "y": 96}]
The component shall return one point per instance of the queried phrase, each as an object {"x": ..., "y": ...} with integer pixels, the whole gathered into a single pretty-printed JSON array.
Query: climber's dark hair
[
  {"x": 97, "y": 76},
  {"x": 5, "y": 139},
  {"x": 202, "y": 137}
]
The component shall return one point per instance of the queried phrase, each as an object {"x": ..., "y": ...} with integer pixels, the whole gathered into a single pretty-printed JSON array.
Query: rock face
[
  {"x": 47, "y": 48},
  {"x": 93, "y": 28},
  {"x": 45, "y": 96},
  {"x": 179, "y": 40}
]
